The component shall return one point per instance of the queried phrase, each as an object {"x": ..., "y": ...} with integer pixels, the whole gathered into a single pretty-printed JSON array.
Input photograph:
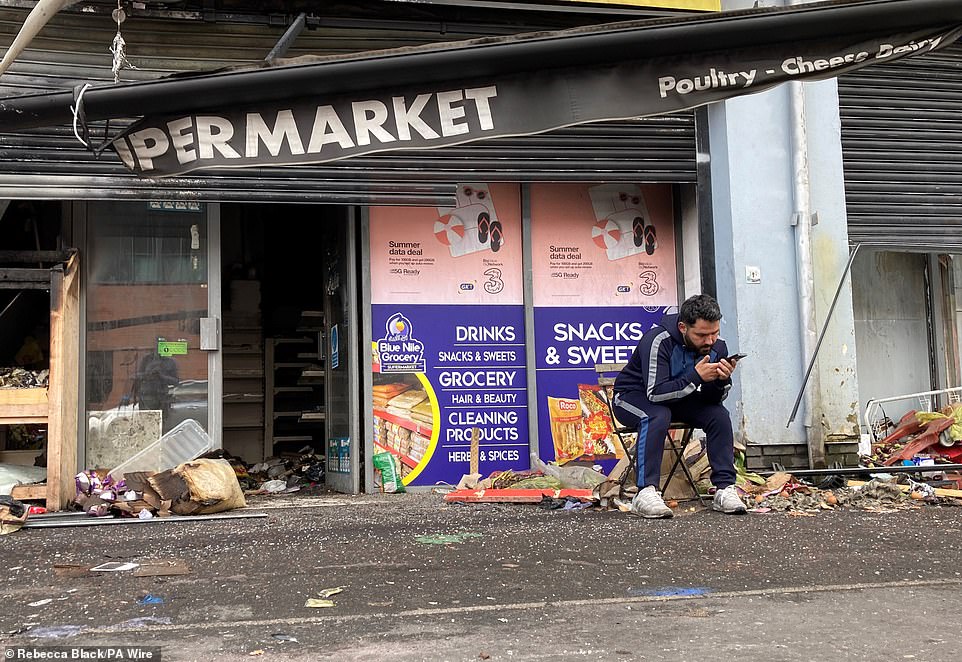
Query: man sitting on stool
[{"x": 678, "y": 372}]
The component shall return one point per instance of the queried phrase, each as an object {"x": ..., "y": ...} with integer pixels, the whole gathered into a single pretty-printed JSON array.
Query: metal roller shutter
[
  {"x": 72, "y": 49},
  {"x": 902, "y": 152}
]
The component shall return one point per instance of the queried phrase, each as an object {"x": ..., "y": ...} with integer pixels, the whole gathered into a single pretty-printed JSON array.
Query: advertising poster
[
  {"x": 448, "y": 344},
  {"x": 604, "y": 273}
]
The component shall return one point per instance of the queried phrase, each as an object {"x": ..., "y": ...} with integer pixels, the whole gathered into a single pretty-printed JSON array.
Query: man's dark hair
[{"x": 699, "y": 307}]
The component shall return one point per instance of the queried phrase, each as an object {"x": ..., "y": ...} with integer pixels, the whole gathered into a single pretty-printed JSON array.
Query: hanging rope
[
  {"x": 80, "y": 129},
  {"x": 119, "y": 46},
  {"x": 79, "y": 117}
]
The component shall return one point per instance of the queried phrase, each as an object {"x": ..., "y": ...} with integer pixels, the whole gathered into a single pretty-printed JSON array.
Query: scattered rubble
[
  {"x": 23, "y": 378},
  {"x": 295, "y": 470},
  {"x": 779, "y": 493},
  {"x": 782, "y": 493}
]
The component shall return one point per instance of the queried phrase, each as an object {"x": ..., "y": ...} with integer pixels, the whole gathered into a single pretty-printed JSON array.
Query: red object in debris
[
  {"x": 909, "y": 424},
  {"x": 512, "y": 496},
  {"x": 36, "y": 510},
  {"x": 923, "y": 442},
  {"x": 953, "y": 453}
]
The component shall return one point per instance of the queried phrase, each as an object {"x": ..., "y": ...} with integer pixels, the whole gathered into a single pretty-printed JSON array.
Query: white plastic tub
[{"x": 183, "y": 443}]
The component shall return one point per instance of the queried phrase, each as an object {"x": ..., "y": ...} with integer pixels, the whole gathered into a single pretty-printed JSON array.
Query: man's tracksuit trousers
[{"x": 633, "y": 409}]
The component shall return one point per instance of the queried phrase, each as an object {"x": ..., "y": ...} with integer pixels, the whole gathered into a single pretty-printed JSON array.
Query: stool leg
[
  {"x": 680, "y": 461},
  {"x": 632, "y": 465},
  {"x": 670, "y": 443}
]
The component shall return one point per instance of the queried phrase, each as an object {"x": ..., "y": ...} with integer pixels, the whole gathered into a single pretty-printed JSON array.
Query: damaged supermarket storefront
[{"x": 435, "y": 266}]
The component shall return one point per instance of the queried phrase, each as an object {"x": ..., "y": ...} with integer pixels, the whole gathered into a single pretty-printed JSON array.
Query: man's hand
[
  {"x": 710, "y": 372},
  {"x": 726, "y": 367},
  {"x": 707, "y": 371}
]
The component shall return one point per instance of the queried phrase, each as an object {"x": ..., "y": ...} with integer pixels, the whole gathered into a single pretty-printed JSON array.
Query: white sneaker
[
  {"x": 728, "y": 501},
  {"x": 648, "y": 503}
]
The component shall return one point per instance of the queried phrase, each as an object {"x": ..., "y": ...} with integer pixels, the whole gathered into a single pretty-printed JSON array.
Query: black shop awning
[{"x": 331, "y": 108}]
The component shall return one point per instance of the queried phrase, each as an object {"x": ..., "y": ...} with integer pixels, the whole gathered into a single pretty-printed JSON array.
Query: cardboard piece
[
  {"x": 469, "y": 482},
  {"x": 619, "y": 469},
  {"x": 13, "y": 514},
  {"x": 679, "y": 488}
]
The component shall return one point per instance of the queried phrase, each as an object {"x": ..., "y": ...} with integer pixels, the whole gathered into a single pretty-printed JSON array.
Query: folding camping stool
[{"x": 677, "y": 448}]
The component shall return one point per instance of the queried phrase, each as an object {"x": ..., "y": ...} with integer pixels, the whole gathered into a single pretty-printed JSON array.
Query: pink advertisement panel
[
  {"x": 603, "y": 245},
  {"x": 469, "y": 254}
]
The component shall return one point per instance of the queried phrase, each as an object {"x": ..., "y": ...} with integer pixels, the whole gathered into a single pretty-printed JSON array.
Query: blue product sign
[
  {"x": 568, "y": 344},
  {"x": 440, "y": 371},
  {"x": 335, "y": 346}
]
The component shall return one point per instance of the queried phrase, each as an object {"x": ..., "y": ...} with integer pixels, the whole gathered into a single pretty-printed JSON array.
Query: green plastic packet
[{"x": 390, "y": 469}]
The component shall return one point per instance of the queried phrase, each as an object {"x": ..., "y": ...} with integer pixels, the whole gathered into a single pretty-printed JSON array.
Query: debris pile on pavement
[
  {"x": 581, "y": 488},
  {"x": 212, "y": 483},
  {"x": 546, "y": 482},
  {"x": 13, "y": 514},
  {"x": 524, "y": 480},
  {"x": 783, "y": 493},
  {"x": 199, "y": 487},
  {"x": 921, "y": 437},
  {"x": 23, "y": 378},
  {"x": 283, "y": 474}
]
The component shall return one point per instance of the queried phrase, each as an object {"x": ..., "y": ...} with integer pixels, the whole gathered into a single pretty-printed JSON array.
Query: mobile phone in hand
[{"x": 735, "y": 357}]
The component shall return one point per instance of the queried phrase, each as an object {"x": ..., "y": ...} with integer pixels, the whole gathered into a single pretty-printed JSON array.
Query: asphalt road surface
[{"x": 503, "y": 582}]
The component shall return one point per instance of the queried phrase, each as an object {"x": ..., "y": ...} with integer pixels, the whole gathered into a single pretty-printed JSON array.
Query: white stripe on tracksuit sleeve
[{"x": 677, "y": 388}]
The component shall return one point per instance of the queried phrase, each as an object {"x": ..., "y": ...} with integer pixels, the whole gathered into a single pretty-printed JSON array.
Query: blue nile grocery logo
[{"x": 399, "y": 350}]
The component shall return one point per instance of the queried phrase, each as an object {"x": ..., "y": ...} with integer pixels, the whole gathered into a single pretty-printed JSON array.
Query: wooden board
[
  {"x": 62, "y": 425},
  {"x": 23, "y": 396},
  {"x": 29, "y": 492},
  {"x": 23, "y": 405}
]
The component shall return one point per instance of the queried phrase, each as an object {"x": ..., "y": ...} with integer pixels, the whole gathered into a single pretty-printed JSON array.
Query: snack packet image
[
  {"x": 566, "y": 424},
  {"x": 597, "y": 426}
]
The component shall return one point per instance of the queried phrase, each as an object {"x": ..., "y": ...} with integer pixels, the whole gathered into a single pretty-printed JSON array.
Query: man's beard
[{"x": 704, "y": 351}]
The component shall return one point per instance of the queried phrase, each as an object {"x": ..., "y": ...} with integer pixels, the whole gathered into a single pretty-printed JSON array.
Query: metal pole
[
  {"x": 100, "y": 521},
  {"x": 288, "y": 38},
  {"x": 861, "y": 471},
  {"x": 821, "y": 336}
]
